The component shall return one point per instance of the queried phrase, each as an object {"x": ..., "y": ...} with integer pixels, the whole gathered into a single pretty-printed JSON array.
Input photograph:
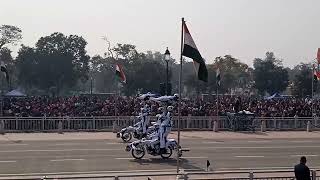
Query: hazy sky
[{"x": 243, "y": 28}]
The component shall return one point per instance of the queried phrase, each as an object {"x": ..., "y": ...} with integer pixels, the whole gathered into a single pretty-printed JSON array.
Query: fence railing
[
  {"x": 230, "y": 175},
  {"x": 108, "y": 123}
]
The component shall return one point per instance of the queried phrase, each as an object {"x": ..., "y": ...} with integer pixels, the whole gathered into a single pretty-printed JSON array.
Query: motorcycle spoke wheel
[
  {"x": 126, "y": 137},
  {"x": 138, "y": 153},
  {"x": 168, "y": 154}
]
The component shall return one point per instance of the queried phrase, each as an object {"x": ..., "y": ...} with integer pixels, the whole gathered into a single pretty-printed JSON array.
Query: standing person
[
  {"x": 301, "y": 171},
  {"x": 165, "y": 129}
]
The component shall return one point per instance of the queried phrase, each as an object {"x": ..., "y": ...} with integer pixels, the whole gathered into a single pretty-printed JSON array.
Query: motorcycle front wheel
[
  {"x": 138, "y": 153},
  {"x": 168, "y": 154},
  {"x": 126, "y": 136}
]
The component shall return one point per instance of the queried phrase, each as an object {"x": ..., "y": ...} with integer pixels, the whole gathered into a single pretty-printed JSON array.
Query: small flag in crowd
[
  {"x": 3, "y": 69},
  {"x": 120, "y": 73},
  {"x": 190, "y": 50},
  {"x": 316, "y": 74},
  {"x": 218, "y": 77}
]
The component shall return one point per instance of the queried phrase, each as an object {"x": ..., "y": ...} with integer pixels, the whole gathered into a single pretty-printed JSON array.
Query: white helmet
[{"x": 170, "y": 108}]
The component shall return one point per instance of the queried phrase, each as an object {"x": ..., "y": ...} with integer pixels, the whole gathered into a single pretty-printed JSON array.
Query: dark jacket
[{"x": 302, "y": 172}]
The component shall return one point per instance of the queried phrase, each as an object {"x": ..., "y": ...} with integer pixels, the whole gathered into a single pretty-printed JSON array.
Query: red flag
[
  {"x": 316, "y": 74},
  {"x": 318, "y": 55},
  {"x": 120, "y": 73}
]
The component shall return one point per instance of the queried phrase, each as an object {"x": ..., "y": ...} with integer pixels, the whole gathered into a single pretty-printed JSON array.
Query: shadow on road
[{"x": 184, "y": 163}]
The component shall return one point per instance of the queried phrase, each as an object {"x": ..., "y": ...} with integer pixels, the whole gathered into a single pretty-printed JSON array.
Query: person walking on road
[{"x": 301, "y": 170}]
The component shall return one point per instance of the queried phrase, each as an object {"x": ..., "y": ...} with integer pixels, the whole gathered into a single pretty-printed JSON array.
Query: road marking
[
  {"x": 200, "y": 157},
  {"x": 263, "y": 141},
  {"x": 130, "y": 158},
  {"x": 302, "y": 141},
  {"x": 56, "y": 150},
  {"x": 114, "y": 143},
  {"x": 13, "y": 145},
  {"x": 65, "y": 156},
  {"x": 254, "y": 147},
  {"x": 262, "y": 168},
  {"x": 8, "y": 161},
  {"x": 97, "y": 172},
  {"x": 249, "y": 156},
  {"x": 212, "y": 142},
  {"x": 68, "y": 144},
  {"x": 124, "y": 158},
  {"x": 299, "y": 155},
  {"x": 54, "y": 160}
]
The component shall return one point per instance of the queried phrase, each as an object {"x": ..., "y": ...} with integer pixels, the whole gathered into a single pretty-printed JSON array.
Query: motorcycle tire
[
  {"x": 126, "y": 137},
  {"x": 141, "y": 152},
  {"x": 168, "y": 154}
]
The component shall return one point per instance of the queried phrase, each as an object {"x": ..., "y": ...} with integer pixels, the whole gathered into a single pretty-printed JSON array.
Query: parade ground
[{"x": 52, "y": 153}]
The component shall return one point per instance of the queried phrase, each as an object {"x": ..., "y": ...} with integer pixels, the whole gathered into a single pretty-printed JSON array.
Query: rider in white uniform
[
  {"x": 145, "y": 111},
  {"x": 165, "y": 129},
  {"x": 155, "y": 137}
]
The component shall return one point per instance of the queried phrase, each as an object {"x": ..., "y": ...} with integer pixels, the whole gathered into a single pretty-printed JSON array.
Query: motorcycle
[
  {"x": 135, "y": 131},
  {"x": 140, "y": 147}
]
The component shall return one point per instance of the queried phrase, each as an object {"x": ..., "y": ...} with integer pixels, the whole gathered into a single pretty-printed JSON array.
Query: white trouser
[
  {"x": 144, "y": 124},
  {"x": 164, "y": 132}
]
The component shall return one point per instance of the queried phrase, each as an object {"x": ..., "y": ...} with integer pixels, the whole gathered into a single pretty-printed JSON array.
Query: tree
[
  {"x": 234, "y": 74},
  {"x": 269, "y": 75},
  {"x": 302, "y": 84},
  {"x": 9, "y": 35},
  {"x": 57, "y": 62}
]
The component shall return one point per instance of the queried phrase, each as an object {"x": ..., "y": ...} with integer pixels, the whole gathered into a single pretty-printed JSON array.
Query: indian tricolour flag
[
  {"x": 190, "y": 50},
  {"x": 120, "y": 73}
]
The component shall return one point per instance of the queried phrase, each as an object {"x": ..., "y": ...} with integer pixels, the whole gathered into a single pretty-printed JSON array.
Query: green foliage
[
  {"x": 302, "y": 84},
  {"x": 9, "y": 35},
  {"x": 57, "y": 62},
  {"x": 269, "y": 75}
]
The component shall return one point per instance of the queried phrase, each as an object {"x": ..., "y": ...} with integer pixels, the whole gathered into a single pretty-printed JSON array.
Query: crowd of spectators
[{"x": 128, "y": 106}]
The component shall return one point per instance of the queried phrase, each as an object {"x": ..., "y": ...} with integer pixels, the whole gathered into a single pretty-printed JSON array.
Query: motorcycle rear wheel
[
  {"x": 168, "y": 154},
  {"x": 126, "y": 136}
]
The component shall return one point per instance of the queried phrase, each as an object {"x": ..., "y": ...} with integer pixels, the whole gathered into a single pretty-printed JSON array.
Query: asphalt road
[{"x": 98, "y": 156}]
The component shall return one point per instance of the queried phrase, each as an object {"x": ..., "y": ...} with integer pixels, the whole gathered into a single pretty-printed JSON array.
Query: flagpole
[
  {"x": 179, "y": 105},
  {"x": 312, "y": 79},
  {"x": 217, "y": 101}
]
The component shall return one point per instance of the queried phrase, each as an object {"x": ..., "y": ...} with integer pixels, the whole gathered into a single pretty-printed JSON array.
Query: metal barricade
[{"x": 105, "y": 123}]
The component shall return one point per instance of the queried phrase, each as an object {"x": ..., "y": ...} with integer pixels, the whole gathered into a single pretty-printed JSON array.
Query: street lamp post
[
  {"x": 167, "y": 58},
  {"x": 91, "y": 85}
]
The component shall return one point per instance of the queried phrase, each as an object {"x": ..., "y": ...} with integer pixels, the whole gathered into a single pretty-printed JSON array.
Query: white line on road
[
  {"x": 113, "y": 143},
  {"x": 96, "y": 172},
  {"x": 253, "y": 147},
  {"x": 8, "y": 161},
  {"x": 194, "y": 157},
  {"x": 249, "y": 156},
  {"x": 55, "y": 160},
  {"x": 262, "y": 141},
  {"x": 299, "y": 155},
  {"x": 301, "y": 141},
  {"x": 124, "y": 158},
  {"x": 212, "y": 142},
  {"x": 200, "y": 157},
  {"x": 56, "y": 150},
  {"x": 13, "y": 145},
  {"x": 68, "y": 144}
]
